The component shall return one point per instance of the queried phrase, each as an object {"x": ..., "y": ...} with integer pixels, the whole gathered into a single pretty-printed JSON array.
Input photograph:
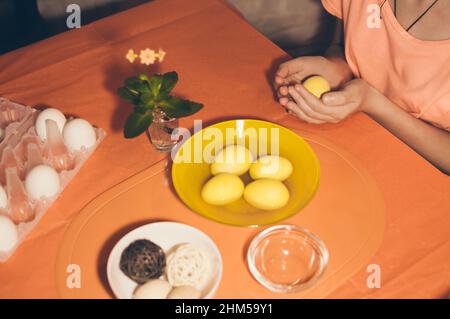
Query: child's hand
[
  {"x": 335, "y": 70},
  {"x": 333, "y": 107}
]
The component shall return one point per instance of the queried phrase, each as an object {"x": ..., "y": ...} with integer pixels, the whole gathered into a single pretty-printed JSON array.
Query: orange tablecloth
[{"x": 227, "y": 65}]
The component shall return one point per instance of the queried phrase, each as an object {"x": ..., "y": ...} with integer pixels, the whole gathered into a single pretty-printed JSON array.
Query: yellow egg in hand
[
  {"x": 266, "y": 194},
  {"x": 222, "y": 189},
  {"x": 317, "y": 85},
  {"x": 273, "y": 167},
  {"x": 233, "y": 159}
]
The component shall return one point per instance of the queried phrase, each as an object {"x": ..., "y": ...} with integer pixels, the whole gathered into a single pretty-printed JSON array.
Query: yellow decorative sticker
[
  {"x": 146, "y": 56},
  {"x": 131, "y": 56}
]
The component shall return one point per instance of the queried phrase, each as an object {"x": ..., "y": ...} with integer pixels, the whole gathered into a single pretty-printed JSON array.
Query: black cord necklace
[{"x": 418, "y": 18}]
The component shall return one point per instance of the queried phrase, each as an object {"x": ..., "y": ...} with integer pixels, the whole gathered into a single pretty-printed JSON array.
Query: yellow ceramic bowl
[{"x": 191, "y": 169}]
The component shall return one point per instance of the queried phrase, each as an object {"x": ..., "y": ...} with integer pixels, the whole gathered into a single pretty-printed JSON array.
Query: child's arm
[{"x": 429, "y": 141}]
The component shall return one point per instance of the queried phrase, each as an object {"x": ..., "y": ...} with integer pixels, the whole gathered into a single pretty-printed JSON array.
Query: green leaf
[
  {"x": 146, "y": 97},
  {"x": 155, "y": 84},
  {"x": 128, "y": 95},
  {"x": 169, "y": 80},
  {"x": 137, "y": 123},
  {"x": 144, "y": 105},
  {"x": 176, "y": 108},
  {"x": 136, "y": 84},
  {"x": 143, "y": 77}
]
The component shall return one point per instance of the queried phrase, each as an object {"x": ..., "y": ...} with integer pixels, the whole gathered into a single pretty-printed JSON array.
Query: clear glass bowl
[{"x": 287, "y": 258}]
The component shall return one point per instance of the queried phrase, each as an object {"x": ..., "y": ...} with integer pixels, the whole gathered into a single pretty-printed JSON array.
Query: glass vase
[{"x": 161, "y": 129}]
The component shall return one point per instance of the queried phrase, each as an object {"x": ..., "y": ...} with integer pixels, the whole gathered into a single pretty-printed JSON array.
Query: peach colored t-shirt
[{"x": 412, "y": 73}]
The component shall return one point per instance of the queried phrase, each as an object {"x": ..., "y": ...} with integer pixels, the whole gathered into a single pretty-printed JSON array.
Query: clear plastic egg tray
[{"x": 21, "y": 149}]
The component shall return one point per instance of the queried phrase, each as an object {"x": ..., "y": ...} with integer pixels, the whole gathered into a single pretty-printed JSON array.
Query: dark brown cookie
[{"x": 143, "y": 260}]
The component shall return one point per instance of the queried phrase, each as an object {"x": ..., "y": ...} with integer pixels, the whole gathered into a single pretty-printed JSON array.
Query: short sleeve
[{"x": 334, "y": 7}]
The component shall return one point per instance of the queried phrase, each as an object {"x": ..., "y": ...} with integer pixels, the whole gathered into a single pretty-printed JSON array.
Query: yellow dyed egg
[
  {"x": 317, "y": 85},
  {"x": 222, "y": 189},
  {"x": 266, "y": 194},
  {"x": 273, "y": 167},
  {"x": 233, "y": 159}
]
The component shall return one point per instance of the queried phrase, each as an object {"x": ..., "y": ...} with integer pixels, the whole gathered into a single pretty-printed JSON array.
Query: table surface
[{"x": 226, "y": 64}]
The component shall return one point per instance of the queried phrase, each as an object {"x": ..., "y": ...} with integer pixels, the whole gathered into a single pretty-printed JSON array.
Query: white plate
[{"x": 167, "y": 235}]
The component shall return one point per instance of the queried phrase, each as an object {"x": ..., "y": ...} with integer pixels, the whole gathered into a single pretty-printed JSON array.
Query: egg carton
[{"x": 21, "y": 149}]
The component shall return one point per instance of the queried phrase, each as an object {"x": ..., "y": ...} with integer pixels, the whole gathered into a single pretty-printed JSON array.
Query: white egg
[
  {"x": 3, "y": 198},
  {"x": 42, "y": 180},
  {"x": 79, "y": 133},
  {"x": 153, "y": 289},
  {"x": 9, "y": 235},
  {"x": 49, "y": 114}
]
